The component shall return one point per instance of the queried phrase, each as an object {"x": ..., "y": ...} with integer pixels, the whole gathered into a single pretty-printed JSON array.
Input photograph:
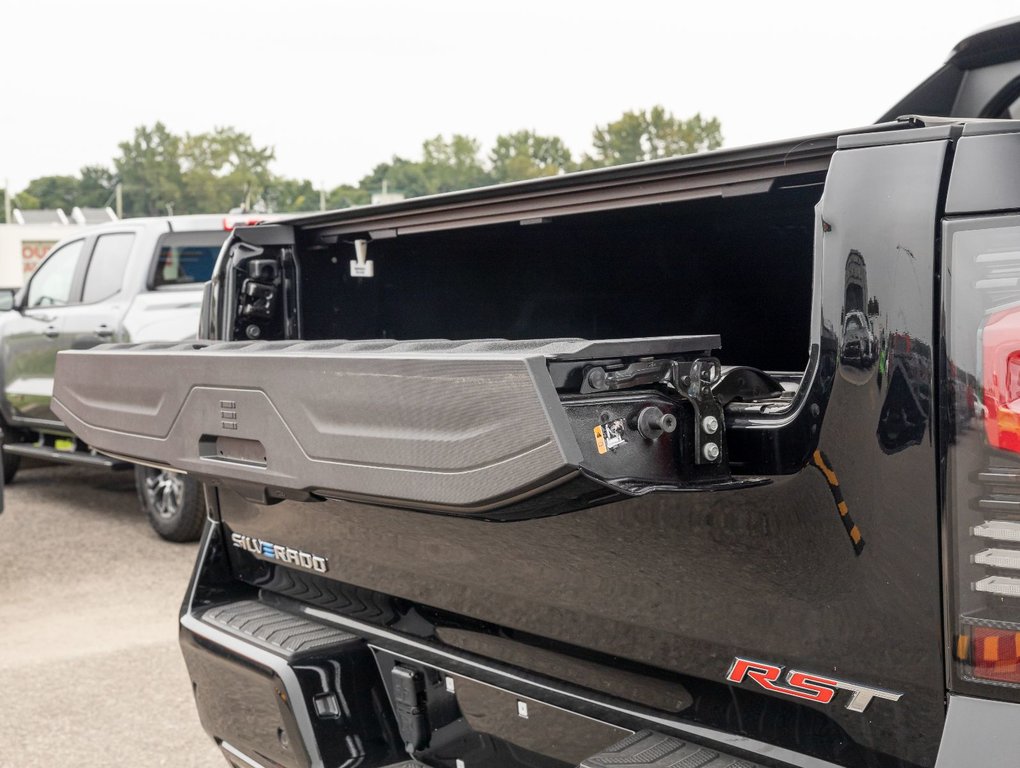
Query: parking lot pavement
[{"x": 89, "y": 596}]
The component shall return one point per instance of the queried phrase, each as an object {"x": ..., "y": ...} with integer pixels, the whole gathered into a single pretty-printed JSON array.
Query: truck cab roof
[{"x": 981, "y": 78}]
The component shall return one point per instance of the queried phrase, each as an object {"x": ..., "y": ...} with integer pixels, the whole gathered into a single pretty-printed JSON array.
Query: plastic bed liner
[{"x": 455, "y": 426}]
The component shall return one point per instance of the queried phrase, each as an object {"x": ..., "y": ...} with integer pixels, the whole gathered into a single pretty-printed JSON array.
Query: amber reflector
[{"x": 995, "y": 654}]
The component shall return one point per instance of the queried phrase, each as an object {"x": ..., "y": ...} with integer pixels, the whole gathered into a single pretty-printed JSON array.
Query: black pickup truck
[{"x": 709, "y": 462}]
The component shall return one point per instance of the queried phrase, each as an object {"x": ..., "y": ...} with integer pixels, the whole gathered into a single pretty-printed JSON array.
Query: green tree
[
  {"x": 292, "y": 195},
  {"x": 25, "y": 201},
  {"x": 454, "y": 164},
  {"x": 53, "y": 192},
  {"x": 527, "y": 155},
  {"x": 92, "y": 188},
  {"x": 149, "y": 166},
  {"x": 223, "y": 169},
  {"x": 445, "y": 166},
  {"x": 95, "y": 189},
  {"x": 346, "y": 196},
  {"x": 650, "y": 135},
  {"x": 400, "y": 175}
]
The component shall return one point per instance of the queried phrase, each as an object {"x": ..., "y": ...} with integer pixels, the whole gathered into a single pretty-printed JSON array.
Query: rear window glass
[{"x": 185, "y": 258}]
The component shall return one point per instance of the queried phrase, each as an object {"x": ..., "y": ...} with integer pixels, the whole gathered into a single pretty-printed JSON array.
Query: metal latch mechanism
[
  {"x": 695, "y": 385},
  {"x": 259, "y": 295},
  {"x": 691, "y": 380}
]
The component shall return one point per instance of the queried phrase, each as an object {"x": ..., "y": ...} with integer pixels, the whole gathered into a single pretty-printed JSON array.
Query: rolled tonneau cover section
[{"x": 457, "y": 426}]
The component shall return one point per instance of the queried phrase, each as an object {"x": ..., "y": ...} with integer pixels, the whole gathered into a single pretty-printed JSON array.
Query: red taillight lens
[
  {"x": 991, "y": 654},
  {"x": 1001, "y": 379},
  {"x": 996, "y": 654}
]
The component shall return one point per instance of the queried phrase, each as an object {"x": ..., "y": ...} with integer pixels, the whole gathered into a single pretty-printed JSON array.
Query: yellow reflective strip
[
  {"x": 829, "y": 474},
  {"x": 842, "y": 509},
  {"x": 962, "y": 646},
  {"x": 855, "y": 534}
]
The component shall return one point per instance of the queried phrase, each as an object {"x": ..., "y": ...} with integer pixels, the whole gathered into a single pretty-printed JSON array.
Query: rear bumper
[
  {"x": 281, "y": 684},
  {"x": 279, "y": 688},
  {"x": 285, "y": 701}
]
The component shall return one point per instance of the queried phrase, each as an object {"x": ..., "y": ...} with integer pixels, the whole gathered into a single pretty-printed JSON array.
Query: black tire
[
  {"x": 11, "y": 464},
  {"x": 173, "y": 503}
]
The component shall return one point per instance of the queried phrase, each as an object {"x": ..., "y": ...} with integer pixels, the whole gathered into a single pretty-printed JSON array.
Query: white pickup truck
[{"x": 133, "y": 280}]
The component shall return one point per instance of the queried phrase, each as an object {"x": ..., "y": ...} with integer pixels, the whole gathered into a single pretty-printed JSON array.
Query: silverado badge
[{"x": 278, "y": 553}]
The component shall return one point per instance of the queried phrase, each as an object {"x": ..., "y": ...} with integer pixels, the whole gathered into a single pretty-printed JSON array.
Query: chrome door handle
[
  {"x": 104, "y": 331},
  {"x": 51, "y": 332}
]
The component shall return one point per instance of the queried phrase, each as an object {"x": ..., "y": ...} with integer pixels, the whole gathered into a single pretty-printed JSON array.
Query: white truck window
[
  {"x": 107, "y": 266},
  {"x": 51, "y": 284}
]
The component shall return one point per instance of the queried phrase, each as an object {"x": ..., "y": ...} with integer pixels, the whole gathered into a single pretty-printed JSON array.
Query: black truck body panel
[{"x": 815, "y": 548}]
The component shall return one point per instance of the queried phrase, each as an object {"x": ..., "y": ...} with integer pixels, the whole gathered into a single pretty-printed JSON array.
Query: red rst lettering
[
  {"x": 818, "y": 689},
  {"x": 801, "y": 684},
  {"x": 762, "y": 673}
]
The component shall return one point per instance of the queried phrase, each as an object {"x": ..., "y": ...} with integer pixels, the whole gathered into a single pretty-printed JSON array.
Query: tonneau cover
[{"x": 458, "y": 425}]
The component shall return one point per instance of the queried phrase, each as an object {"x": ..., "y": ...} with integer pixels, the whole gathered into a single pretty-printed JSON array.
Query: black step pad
[
  {"x": 655, "y": 750},
  {"x": 277, "y": 630}
]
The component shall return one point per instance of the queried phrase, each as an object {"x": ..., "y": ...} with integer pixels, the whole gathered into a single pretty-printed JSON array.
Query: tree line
[{"x": 223, "y": 169}]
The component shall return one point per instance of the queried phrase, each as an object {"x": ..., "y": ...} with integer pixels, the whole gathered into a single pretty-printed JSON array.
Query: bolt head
[
  {"x": 597, "y": 378},
  {"x": 710, "y": 424},
  {"x": 710, "y": 451}
]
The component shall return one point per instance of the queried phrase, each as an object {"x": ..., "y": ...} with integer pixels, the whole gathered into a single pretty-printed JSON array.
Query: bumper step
[
  {"x": 273, "y": 629},
  {"x": 655, "y": 750}
]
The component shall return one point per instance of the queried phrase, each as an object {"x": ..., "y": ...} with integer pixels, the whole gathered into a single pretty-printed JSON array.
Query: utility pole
[
  {"x": 322, "y": 195},
  {"x": 119, "y": 190}
]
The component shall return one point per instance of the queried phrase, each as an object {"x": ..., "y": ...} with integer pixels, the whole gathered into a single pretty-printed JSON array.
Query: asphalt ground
[{"x": 89, "y": 665}]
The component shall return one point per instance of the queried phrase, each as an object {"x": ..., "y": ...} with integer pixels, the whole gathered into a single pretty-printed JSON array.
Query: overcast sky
[{"x": 337, "y": 87}]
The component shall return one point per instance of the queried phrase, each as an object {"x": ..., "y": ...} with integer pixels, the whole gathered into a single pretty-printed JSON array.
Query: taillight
[
  {"x": 993, "y": 655},
  {"x": 1001, "y": 379},
  {"x": 981, "y": 399}
]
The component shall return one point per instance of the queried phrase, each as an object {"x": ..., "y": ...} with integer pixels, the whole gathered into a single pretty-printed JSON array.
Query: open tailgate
[{"x": 518, "y": 427}]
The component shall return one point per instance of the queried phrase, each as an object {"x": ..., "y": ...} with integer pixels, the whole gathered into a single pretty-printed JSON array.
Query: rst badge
[
  {"x": 803, "y": 685},
  {"x": 278, "y": 553}
]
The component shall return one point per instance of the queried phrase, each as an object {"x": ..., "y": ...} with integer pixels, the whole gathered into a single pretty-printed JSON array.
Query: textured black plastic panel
[
  {"x": 984, "y": 175},
  {"x": 655, "y": 750},
  {"x": 283, "y": 632},
  {"x": 467, "y": 426},
  {"x": 424, "y": 427}
]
